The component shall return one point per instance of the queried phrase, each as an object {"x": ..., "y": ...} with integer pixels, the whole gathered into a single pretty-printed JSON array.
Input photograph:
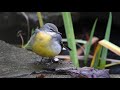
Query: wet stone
[{"x": 20, "y": 63}]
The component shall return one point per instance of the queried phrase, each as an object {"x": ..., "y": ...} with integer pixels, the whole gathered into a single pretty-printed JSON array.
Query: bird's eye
[{"x": 51, "y": 30}]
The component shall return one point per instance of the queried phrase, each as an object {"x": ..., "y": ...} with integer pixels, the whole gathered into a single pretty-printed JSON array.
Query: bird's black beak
[{"x": 59, "y": 33}]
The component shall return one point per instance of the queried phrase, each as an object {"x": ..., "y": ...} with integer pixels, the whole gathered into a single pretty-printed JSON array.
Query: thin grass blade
[
  {"x": 96, "y": 57},
  {"x": 40, "y": 19},
  {"x": 107, "y": 36},
  {"x": 70, "y": 37},
  {"x": 88, "y": 45}
]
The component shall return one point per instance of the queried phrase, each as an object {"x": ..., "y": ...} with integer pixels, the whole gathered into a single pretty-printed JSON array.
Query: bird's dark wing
[{"x": 69, "y": 49}]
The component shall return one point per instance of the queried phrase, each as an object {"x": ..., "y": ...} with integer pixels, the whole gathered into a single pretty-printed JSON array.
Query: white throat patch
[{"x": 51, "y": 33}]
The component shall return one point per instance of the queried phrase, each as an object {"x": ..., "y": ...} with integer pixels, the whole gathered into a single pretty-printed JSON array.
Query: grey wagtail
[{"x": 47, "y": 41}]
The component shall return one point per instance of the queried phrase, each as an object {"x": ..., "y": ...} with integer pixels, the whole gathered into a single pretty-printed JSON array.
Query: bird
[{"x": 47, "y": 41}]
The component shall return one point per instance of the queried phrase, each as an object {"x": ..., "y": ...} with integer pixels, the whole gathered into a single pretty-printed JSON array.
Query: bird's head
[{"x": 49, "y": 27}]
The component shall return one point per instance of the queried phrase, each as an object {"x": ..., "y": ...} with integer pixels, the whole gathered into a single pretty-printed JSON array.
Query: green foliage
[
  {"x": 70, "y": 37},
  {"x": 40, "y": 19},
  {"x": 88, "y": 45},
  {"x": 100, "y": 55},
  {"x": 33, "y": 30},
  {"x": 96, "y": 58},
  {"x": 107, "y": 36}
]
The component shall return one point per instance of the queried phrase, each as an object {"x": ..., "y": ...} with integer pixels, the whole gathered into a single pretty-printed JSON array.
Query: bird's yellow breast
[{"x": 41, "y": 45}]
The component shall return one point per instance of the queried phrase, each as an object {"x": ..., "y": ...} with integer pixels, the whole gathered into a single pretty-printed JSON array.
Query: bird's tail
[{"x": 66, "y": 48}]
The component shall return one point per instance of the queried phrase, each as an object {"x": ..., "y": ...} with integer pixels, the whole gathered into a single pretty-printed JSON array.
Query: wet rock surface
[
  {"x": 16, "y": 62},
  {"x": 19, "y": 62}
]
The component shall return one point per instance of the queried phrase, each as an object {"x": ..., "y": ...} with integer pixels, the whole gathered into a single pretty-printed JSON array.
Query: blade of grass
[
  {"x": 96, "y": 57},
  {"x": 26, "y": 46},
  {"x": 112, "y": 47},
  {"x": 112, "y": 64},
  {"x": 40, "y": 18},
  {"x": 70, "y": 37},
  {"x": 33, "y": 30},
  {"x": 88, "y": 45},
  {"x": 107, "y": 36}
]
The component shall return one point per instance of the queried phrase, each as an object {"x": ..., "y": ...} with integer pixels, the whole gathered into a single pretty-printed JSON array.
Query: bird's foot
[
  {"x": 53, "y": 60},
  {"x": 48, "y": 61}
]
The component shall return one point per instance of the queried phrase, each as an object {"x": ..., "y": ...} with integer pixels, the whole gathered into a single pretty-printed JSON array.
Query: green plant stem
[
  {"x": 107, "y": 36},
  {"x": 96, "y": 57},
  {"x": 88, "y": 45},
  {"x": 40, "y": 18},
  {"x": 70, "y": 37}
]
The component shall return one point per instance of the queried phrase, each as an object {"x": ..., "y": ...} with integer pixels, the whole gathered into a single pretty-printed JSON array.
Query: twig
[
  {"x": 19, "y": 34},
  {"x": 28, "y": 23},
  {"x": 77, "y": 41},
  {"x": 67, "y": 57}
]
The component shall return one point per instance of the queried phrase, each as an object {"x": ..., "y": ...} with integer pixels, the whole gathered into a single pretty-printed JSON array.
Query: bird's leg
[
  {"x": 42, "y": 59},
  {"x": 51, "y": 60}
]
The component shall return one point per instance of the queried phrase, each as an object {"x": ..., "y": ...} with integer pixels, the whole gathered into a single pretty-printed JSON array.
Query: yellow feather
[{"x": 41, "y": 45}]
